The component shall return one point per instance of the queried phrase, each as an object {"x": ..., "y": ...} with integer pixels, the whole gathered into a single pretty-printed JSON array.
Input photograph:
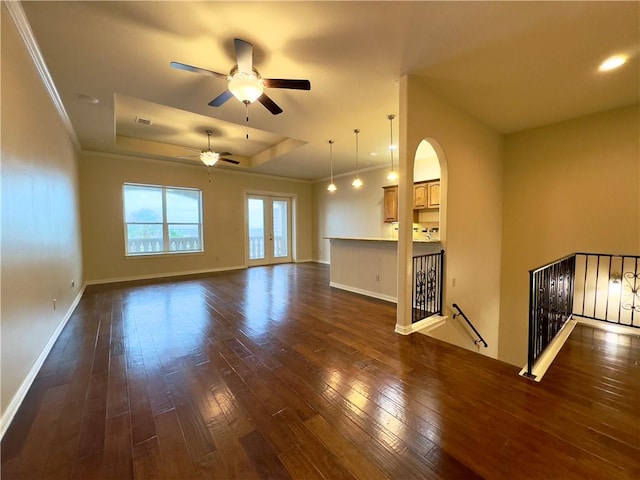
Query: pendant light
[
  {"x": 392, "y": 174},
  {"x": 332, "y": 186},
  {"x": 357, "y": 183}
]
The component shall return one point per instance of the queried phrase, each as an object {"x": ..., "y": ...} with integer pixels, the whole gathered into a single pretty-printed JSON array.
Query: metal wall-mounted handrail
[{"x": 461, "y": 314}]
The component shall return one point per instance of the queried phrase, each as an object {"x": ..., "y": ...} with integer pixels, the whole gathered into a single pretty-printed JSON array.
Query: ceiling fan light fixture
[
  {"x": 246, "y": 87},
  {"x": 209, "y": 158}
]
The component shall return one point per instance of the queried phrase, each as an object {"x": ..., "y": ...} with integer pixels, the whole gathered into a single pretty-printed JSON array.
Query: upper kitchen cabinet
[
  {"x": 426, "y": 195},
  {"x": 433, "y": 197},
  {"x": 420, "y": 195},
  {"x": 390, "y": 202}
]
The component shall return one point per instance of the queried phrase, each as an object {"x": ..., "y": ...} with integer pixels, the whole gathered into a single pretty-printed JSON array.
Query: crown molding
[{"x": 24, "y": 29}]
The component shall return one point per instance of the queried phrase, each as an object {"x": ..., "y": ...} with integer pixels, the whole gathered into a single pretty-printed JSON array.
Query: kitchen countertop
[{"x": 370, "y": 239}]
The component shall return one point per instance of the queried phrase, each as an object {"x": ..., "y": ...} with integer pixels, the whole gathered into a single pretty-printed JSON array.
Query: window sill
[{"x": 163, "y": 254}]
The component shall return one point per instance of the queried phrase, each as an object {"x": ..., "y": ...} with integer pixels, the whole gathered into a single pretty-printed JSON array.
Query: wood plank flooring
[{"x": 269, "y": 373}]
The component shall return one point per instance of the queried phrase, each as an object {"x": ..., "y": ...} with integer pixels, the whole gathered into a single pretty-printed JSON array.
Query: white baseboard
[
  {"x": 326, "y": 262},
  {"x": 19, "y": 396},
  {"x": 305, "y": 260},
  {"x": 609, "y": 327},
  {"x": 163, "y": 275},
  {"x": 368, "y": 293}
]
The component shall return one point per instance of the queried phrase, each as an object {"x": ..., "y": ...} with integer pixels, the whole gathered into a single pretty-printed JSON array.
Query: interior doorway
[{"x": 268, "y": 229}]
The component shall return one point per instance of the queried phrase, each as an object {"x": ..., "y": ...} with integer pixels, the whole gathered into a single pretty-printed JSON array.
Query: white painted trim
[
  {"x": 360, "y": 291},
  {"x": 609, "y": 327},
  {"x": 163, "y": 275},
  {"x": 423, "y": 326},
  {"x": 19, "y": 396},
  {"x": 544, "y": 361},
  {"x": 304, "y": 260},
  {"x": 427, "y": 324},
  {"x": 326, "y": 262},
  {"x": 24, "y": 28}
]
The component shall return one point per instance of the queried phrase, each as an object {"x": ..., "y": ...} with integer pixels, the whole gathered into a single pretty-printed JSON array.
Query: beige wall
[
  {"x": 40, "y": 229},
  {"x": 471, "y": 160},
  {"x": 101, "y": 180},
  {"x": 350, "y": 212},
  {"x": 573, "y": 186}
]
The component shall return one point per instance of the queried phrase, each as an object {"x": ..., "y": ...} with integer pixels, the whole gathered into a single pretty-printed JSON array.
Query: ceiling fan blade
[
  {"x": 220, "y": 99},
  {"x": 244, "y": 55},
  {"x": 235, "y": 162},
  {"x": 269, "y": 104},
  {"x": 225, "y": 154},
  {"x": 287, "y": 83},
  {"x": 190, "y": 68}
]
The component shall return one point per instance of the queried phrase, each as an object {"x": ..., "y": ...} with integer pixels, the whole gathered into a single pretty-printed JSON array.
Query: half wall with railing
[
  {"x": 427, "y": 285},
  {"x": 596, "y": 286}
]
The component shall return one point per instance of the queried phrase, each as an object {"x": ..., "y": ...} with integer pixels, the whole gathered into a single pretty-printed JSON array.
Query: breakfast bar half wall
[{"x": 369, "y": 266}]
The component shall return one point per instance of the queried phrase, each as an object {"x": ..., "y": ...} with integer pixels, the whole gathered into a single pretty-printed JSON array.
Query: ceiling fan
[
  {"x": 245, "y": 82},
  {"x": 209, "y": 157}
]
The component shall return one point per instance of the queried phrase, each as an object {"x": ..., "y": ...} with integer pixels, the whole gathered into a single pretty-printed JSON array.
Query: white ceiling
[{"x": 513, "y": 65}]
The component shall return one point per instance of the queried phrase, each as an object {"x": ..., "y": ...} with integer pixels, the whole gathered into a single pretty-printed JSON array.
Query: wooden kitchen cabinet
[
  {"x": 433, "y": 197},
  {"x": 390, "y": 201},
  {"x": 426, "y": 195},
  {"x": 420, "y": 195}
]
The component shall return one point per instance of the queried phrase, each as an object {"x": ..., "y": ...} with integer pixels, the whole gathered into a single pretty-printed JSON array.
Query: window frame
[{"x": 166, "y": 240}]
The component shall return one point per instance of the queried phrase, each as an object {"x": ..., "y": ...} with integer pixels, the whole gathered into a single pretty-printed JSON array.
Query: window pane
[
  {"x": 256, "y": 228},
  {"x": 184, "y": 238},
  {"x": 280, "y": 234},
  {"x": 183, "y": 206},
  {"x": 142, "y": 204},
  {"x": 144, "y": 238}
]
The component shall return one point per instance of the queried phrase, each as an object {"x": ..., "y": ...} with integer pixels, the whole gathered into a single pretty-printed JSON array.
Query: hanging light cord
[
  {"x": 331, "y": 158},
  {"x": 357, "y": 131},
  {"x": 391, "y": 117}
]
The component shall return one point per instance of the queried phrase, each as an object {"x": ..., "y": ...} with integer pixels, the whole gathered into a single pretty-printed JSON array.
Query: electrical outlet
[
  {"x": 73, "y": 283},
  {"x": 377, "y": 277},
  {"x": 453, "y": 282}
]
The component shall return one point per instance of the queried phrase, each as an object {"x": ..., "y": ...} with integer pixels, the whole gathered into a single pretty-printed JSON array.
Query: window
[{"x": 160, "y": 220}]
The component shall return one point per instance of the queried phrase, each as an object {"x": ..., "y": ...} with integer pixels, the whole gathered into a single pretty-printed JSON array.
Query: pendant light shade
[
  {"x": 332, "y": 186},
  {"x": 393, "y": 175},
  {"x": 357, "y": 183}
]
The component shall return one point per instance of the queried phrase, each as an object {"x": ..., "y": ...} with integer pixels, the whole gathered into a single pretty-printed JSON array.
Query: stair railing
[{"x": 461, "y": 314}]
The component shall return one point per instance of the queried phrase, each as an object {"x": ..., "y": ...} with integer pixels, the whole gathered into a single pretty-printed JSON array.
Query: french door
[{"x": 268, "y": 229}]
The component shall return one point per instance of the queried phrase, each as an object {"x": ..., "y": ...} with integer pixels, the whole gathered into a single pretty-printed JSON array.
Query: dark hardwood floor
[{"x": 270, "y": 373}]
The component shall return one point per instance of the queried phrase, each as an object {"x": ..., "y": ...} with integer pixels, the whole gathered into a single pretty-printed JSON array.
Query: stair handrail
[{"x": 461, "y": 314}]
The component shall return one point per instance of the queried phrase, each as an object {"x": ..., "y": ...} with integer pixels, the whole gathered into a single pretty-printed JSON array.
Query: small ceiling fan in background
[
  {"x": 209, "y": 157},
  {"x": 245, "y": 82}
]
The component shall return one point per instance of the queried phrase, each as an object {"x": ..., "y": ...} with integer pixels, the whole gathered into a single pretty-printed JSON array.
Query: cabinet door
[
  {"x": 420, "y": 195},
  {"x": 434, "y": 195},
  {"x": 390, "y": 201}
]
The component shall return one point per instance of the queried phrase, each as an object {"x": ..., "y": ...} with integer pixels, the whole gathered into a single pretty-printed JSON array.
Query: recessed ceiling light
[
  {"x": 612, "y": 63},
  {"x": 374, "y": 154}
]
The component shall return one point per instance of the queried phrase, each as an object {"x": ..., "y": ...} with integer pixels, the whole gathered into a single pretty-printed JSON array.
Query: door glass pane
[
  {"x": 256, "y": 228},
  {"x": 280, "y": 232}
]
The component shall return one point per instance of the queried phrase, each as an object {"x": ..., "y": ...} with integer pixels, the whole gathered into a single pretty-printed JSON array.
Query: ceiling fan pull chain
[{"x": 246, "y": 111}]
